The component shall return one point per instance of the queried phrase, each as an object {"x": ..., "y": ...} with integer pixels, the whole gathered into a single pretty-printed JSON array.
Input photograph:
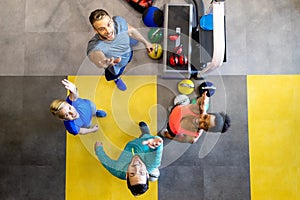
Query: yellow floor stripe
[
  {"x": 85, "y": 177},
  {"x": 274, "y": 142}
]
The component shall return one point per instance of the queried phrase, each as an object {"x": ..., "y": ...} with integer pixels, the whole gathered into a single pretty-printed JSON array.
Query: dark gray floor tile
[
  {"x": 11, "y": 101},
  {"x": 190, "y": 155},
  {"x": 44, "y": 144},
  {"x": 10, "y": 142},
  {"x": 32, "y": 182},
  {"x": 226, "y": 183},
  {"x": 227, "y": 152},
  {"x": 42, "y": 182},
  {"x": 185, "y": 182},
  {"x": 39, "y": 92},
  {"x": 11, "y": 184},
  {"x": 32, "y": 141}
]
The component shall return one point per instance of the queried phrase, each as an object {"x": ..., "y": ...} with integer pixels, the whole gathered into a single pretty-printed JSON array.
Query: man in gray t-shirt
[{"x": 110, "y": 47}]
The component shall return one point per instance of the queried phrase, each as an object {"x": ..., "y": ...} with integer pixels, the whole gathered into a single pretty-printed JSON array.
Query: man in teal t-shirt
[{"x": 139, "y": 160}]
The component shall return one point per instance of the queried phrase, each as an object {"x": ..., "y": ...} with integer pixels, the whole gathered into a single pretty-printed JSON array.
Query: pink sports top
[{"x": 177, "y": 114}]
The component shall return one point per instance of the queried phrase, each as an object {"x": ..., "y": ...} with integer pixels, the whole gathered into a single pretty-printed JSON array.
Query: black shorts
[
  {"x": 110, "y": 72},
  {"x": 169, "y": 130}
]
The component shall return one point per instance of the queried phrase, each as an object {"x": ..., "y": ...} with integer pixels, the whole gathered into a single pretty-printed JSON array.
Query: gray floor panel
[
  {"x": 218, "y": 163},
  {"x": 32, "y": 141}
]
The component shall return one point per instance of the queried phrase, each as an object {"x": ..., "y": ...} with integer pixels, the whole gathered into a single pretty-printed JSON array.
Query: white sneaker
[
  {"x": 170, "y": 108},
  {"x": 162, "y": 132},
  {"x": 153, "y": 176}
]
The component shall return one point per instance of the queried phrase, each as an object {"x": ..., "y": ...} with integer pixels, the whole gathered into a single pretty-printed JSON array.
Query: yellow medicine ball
[
  {"x": 186, "y": 86},
  {"x": 156, "y": 53}
]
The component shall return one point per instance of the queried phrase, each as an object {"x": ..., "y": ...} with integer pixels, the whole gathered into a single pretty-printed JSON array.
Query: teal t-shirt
[{"x": 118, "y": 168}]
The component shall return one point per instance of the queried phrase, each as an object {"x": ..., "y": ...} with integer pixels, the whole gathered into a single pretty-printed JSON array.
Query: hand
[
  {"x": 149, "y": 46},
  {"x": 195, "y": 139},
  {"x": 110, "y": 61},
  {"x": 97, "y": 144},
  {"x": 117, "y": 60},
  {"x": 153, "y": 143},
  {"x": 197, "y": 134},
  {"x": 69, "y": 86},
  {"x": 95, "y": 128},
  {"x": 204, "y": 99}
]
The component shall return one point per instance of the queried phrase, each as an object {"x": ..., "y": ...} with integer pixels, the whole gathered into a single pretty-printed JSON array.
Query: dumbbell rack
[
  {"x": 177, "y": 22},
  {"x": 205, "y": 50}
]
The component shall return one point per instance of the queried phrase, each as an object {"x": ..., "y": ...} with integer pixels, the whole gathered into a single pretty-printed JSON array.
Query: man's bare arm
[{"x": 101, "y": 61}]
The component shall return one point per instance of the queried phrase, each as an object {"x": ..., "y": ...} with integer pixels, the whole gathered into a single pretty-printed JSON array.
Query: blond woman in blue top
[{"x": 75, "y": 112}]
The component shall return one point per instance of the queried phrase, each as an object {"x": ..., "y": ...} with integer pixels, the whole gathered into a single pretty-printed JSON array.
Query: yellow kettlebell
[{"x": 156, "y": 52}]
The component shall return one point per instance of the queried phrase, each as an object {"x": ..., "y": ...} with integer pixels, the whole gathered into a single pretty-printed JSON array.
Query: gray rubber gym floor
[{"x": 44, "y": 41}]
